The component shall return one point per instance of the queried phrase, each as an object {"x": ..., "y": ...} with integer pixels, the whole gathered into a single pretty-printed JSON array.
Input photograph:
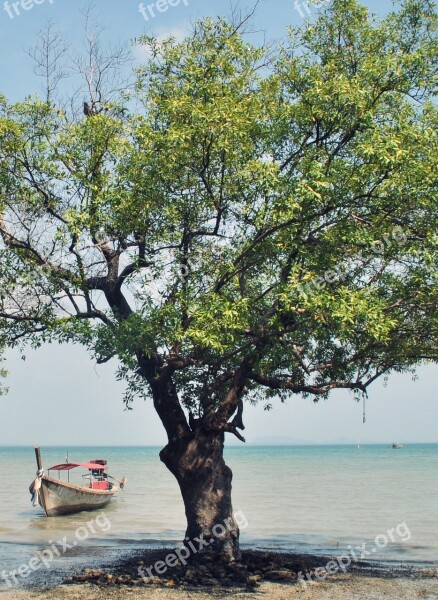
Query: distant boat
[
  {"x": 397, "y": 446},
  {"x": 57, "y": 497}
]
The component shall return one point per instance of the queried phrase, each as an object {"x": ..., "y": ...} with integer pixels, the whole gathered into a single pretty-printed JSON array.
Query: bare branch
[{"x": 48, "y": 55}]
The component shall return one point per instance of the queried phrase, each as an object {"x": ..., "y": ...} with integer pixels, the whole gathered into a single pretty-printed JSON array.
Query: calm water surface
[{"x": 317, "y": 499}]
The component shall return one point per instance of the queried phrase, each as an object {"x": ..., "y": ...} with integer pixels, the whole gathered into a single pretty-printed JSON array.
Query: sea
[{"x": 373, "y": 503}]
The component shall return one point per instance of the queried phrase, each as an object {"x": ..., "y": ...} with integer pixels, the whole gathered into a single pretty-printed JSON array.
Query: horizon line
[{"x": 226, "y": 446}]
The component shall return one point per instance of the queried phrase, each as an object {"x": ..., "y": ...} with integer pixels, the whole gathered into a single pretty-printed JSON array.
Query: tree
[
  {"x": 261, "y": 225},
  {"x": 3, "y": 374}
]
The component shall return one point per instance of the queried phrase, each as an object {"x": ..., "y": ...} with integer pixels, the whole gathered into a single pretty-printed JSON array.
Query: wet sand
[
  {"x": 342, "y": 587},
  {"x": 257, "y": 575}
]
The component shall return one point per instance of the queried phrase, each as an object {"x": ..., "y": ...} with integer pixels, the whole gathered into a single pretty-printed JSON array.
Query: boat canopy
[{"x": 69, "y": 466}]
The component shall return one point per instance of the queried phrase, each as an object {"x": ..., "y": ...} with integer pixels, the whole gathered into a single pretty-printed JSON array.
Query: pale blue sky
[{"x": 58, "y": 396}]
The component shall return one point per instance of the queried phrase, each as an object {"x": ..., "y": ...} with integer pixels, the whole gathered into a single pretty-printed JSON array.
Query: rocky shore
[{"x": 274, "y": 576}]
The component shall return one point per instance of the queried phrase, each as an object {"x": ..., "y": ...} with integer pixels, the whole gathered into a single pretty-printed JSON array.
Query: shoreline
[
  {"x": 345, "y": 587},
  {"x": 259, "y": 575}
]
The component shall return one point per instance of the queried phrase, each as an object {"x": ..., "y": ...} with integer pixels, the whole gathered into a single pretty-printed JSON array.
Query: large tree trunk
[
  {"x": 205, "y": 482},
  {"x": 194, "y": 455}
]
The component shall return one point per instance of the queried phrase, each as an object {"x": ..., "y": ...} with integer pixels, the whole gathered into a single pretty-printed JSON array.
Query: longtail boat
[{"x": 58, "y": 497}]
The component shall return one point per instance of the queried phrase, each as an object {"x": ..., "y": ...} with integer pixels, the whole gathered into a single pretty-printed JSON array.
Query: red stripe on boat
[{"x": 68, "y": 466}]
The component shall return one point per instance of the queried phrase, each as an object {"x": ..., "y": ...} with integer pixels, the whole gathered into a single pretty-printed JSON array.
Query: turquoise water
[{"x": 318, "y": 499}]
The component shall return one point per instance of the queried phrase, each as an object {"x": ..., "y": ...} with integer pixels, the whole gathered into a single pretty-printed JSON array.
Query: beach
[
  {"x": 199, "y": 580},
  {"x": 343, "y": 587},
  {"x": 363, "y": 507},
  {"x": 302, "y": 499}
]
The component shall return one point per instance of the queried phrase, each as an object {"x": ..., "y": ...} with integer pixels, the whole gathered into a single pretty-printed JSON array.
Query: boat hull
[{"x": 62, "y": 498}]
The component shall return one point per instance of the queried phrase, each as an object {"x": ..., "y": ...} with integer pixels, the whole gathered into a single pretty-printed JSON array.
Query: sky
[{"x": 58, "y": 396}]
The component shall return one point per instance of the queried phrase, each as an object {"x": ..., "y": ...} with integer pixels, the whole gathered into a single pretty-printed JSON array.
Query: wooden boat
[{"x": 58, "y": 497}]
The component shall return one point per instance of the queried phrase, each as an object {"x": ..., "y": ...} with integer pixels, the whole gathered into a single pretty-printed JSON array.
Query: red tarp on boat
[{"x": 68, "y": 466}]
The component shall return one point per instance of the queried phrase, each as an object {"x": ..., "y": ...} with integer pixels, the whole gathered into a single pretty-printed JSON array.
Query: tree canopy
[{"x": 255, "y": 222}]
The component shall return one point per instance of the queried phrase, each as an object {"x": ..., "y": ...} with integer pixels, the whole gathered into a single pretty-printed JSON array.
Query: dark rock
[
  {"x": 190, "y": 574},
  {"x": 153, "y": 580},
  {"x": 209, "y": 581},
  {"x": 239, "y": 577},
  {"x": 280, "y": 575},
  {"x": 253, "y": 581}
]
